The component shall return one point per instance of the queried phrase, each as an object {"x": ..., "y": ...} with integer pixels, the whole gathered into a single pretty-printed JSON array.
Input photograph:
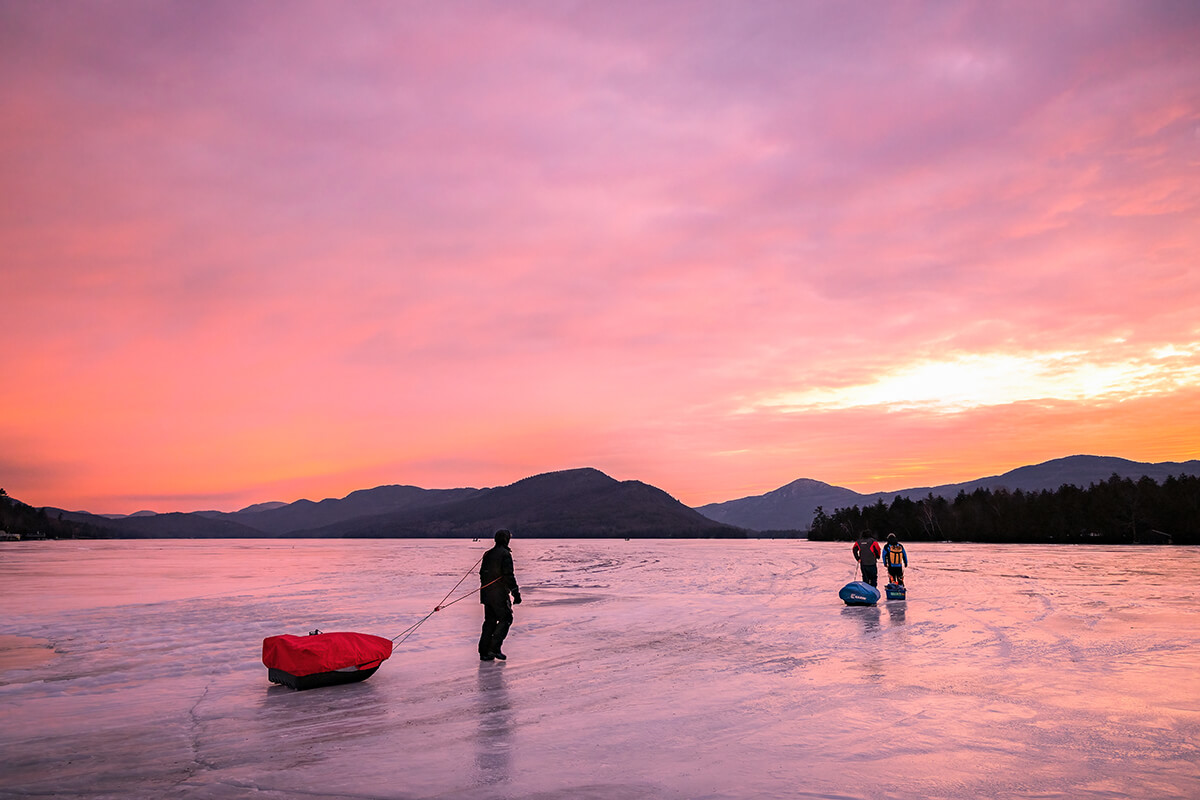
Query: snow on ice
[{"x": 644, "y": 669}]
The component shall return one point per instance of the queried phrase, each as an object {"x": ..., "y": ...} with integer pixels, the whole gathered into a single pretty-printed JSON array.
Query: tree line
[
  {"x": 1115, "y": 511},
  {"x": 29, "y": 522}
]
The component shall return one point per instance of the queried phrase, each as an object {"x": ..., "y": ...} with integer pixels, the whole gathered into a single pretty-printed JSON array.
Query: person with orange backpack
[{"x": 896, "y": 559}]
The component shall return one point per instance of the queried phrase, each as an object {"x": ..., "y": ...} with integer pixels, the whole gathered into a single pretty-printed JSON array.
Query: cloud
[
  {"x": 972, "y": 381},
  {"x": 345, "y": 242}
]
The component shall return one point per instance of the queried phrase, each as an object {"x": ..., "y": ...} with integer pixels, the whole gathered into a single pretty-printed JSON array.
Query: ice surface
[{"x": 658, "y": 669}]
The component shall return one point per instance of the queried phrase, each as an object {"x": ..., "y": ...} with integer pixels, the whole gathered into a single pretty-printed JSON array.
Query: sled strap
[{"x": 412, "y": 628}]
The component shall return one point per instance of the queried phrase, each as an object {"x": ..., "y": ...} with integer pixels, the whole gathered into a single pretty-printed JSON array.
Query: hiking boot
[
  {"x": 499, "y": 655},
  {"x": 486, "y": 657}
]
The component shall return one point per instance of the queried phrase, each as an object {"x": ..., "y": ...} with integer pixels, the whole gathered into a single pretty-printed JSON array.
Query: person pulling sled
[
  {"x": 866, "y": 552},
  {"x": 896, "y": 559},
  {"x": 497, "y": 582}
]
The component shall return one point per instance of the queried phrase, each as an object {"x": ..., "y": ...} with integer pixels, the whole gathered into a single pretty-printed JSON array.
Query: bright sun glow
[{"x": 974, "y": 381}]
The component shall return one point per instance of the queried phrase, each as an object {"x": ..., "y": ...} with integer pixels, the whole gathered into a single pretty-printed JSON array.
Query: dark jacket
[
  {"x": 866, "y": 551},
  {"x": 497, "y": 564}
]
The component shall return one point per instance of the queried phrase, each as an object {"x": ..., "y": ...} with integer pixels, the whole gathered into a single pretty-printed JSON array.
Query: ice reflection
[
  {"x": 306, "y": 720},
  {"x": 493, "y": 739},
  {"x": 866, "y": 616}
]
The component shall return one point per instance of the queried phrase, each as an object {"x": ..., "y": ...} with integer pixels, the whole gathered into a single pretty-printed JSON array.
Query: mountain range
[
  {"x": 792, "y": 506},
  {"x": 579, "y": 503}
]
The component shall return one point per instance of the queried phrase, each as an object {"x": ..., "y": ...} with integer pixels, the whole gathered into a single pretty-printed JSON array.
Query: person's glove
[{"x": 516, "y": 598}]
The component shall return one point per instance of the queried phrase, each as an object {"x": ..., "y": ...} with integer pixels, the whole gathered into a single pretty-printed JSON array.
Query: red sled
[{"x": 323, "y": 659}]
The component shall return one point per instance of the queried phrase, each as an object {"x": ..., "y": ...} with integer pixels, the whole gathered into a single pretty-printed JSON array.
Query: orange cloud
[{"x": 249, "y": 257}]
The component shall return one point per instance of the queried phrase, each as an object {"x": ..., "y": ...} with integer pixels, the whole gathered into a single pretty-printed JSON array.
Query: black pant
[
  {"x": 870, "y": 573},
  {"x": 896, "y": 574},
  {"x": 497, "y": 619}
]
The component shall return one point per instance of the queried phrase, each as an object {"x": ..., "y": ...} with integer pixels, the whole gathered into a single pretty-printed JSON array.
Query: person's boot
[
  {"x": 486, "y": 657},
  {"x": 499, "y": 655}
]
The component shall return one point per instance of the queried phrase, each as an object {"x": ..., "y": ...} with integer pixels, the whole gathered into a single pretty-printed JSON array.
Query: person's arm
[
  {"x": 904, "y": 553},
  {"x": 511, "y": 579}
]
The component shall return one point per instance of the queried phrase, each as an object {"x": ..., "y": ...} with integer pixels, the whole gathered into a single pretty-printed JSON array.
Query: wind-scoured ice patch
[{"x": 24, "y": 653}]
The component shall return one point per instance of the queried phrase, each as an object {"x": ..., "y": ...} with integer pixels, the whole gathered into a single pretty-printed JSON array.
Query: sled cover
[
  {"x": 325, "y": 652},
  {"x": 857, "y": 593}
]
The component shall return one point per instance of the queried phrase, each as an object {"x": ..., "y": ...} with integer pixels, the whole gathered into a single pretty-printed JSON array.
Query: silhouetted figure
[
  {"x": 866, "y": 551},
  {"x": 497, "y": 581},
  {"x": 896, "y": 559}
]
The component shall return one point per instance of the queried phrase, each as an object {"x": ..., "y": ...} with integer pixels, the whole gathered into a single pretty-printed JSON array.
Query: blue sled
[
  {"x": 895, "y": 591},
  {"x": 857, "y": 593}
]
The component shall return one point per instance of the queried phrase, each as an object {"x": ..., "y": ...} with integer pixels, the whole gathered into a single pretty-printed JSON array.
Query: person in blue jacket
[{"x": 895, "y": 559}]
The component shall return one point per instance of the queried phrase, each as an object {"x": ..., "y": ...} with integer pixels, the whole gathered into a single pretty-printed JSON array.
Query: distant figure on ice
[
  {"x": 496, "y": 581},
  {"x": 895, "y": 559},
  {"x": 866, "y": 551}
]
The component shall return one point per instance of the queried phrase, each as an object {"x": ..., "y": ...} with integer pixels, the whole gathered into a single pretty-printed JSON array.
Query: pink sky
[{"x": 264, "y": 251}]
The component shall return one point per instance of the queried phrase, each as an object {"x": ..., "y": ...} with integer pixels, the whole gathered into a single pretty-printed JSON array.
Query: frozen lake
[{"x": 660, "y": 669}]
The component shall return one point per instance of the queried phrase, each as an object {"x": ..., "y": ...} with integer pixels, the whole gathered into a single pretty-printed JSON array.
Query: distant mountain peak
[
  {"x": 563, "y": 481},
  {"x": 574, "y": 472},
  {"x": 257, "y": 507},
  {"x": 792, "y": 506},
  {"x": 800, "y": 485}
]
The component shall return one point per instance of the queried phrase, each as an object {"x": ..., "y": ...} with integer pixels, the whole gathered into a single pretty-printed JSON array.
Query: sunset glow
[
  {"x": 265, "y": 251},
  {"x": 979, "y": 379}
]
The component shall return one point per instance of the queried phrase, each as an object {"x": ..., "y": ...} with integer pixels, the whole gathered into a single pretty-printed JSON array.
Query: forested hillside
[
  {"x": 34, "y": 523},
  {"x": 1115, "y": 511}
]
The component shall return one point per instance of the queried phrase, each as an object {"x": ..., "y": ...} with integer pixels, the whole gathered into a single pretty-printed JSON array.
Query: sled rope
[{"x": 443, "y": 604}]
